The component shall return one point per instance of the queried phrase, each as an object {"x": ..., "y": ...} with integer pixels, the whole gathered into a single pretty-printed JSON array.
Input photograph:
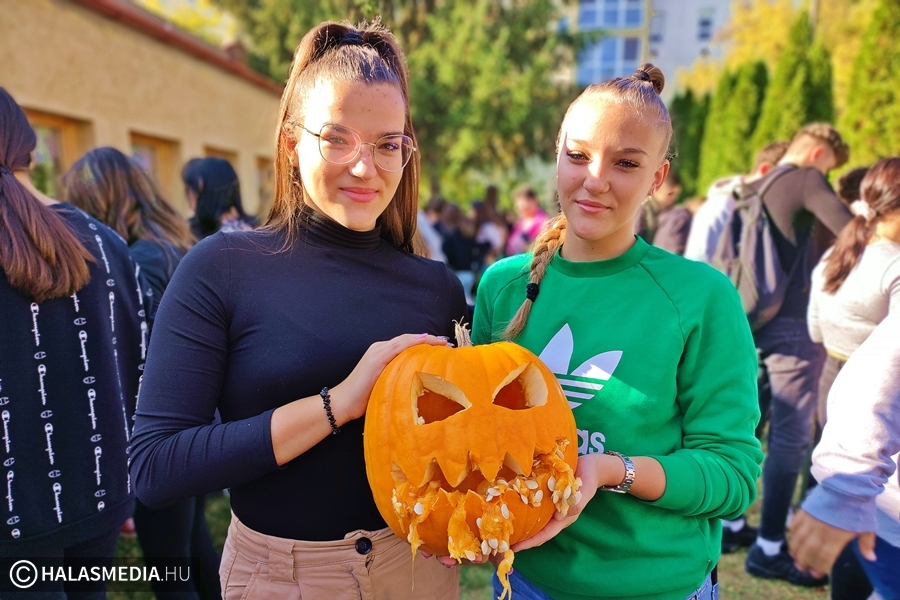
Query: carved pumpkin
[{"x": 470, "y": 450}]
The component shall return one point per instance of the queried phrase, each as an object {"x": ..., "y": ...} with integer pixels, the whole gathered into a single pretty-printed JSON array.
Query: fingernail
[
  {"x": 449, "y": 345},
  {"x": 442, "y": 337},
  {"x": 422, "y": 335}
]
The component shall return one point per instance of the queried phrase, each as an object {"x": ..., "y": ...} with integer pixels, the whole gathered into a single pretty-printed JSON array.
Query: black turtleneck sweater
[{"x": 245, "y": 327}]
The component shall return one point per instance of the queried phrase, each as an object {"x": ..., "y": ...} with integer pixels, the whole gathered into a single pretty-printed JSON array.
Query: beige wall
[{"x": 60, "y": 58}]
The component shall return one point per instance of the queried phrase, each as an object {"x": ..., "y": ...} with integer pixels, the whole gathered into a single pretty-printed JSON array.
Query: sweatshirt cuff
[
  {"x": 850, "y": 513},
  {"x": 682, "y": 475}
]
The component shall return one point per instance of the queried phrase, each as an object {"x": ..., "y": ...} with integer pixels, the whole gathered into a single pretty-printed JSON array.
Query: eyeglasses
[{"x": 340, "y": 145}]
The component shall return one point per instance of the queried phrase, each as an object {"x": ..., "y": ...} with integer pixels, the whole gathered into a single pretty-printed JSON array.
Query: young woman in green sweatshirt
[{"x": 654, "y": 354}]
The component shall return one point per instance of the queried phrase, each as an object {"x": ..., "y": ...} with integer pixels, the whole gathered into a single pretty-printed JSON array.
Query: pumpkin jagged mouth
[{"x": 481, "y": 517}]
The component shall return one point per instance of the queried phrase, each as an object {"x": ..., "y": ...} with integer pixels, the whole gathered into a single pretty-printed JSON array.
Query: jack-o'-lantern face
[{"x": 471, "y": 449}]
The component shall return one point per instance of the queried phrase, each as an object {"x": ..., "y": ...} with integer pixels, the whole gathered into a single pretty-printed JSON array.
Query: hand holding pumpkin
[{"x": 351, "y": 396}]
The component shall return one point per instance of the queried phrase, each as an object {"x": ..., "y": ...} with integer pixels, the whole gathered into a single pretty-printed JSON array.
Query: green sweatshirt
[{"x": 656, "y": 358}]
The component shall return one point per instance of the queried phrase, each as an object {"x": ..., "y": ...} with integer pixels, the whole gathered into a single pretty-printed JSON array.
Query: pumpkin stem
[{"x": 461, "y": 331}]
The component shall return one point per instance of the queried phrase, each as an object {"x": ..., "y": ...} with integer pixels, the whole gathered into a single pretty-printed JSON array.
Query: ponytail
[
  {"x": 879, "y": 194},
  {"x": 545, "y": 247}
]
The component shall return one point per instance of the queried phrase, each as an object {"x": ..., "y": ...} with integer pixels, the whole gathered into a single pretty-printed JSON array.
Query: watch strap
[{"x": 623, "y": 487}]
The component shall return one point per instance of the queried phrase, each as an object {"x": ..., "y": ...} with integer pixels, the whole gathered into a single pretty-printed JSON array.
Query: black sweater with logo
[
  {"x": 246, "y": 327},
  {"x": 69, "y": 370}
]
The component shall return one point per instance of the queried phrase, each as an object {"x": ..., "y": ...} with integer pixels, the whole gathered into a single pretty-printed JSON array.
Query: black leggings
[{"x": 179, "y": 531}]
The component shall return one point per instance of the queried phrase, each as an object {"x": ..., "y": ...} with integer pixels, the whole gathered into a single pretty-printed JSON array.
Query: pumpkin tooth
[
  {"x": 485, "y": 548},
  {"x": 531, "y": 484}
]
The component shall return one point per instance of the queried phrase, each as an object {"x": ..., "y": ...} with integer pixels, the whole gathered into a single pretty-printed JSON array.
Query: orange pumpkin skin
[{"x": 511, "y": 410}]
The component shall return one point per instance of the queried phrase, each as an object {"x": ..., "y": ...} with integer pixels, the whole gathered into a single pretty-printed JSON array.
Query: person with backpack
[
  {"x": 710, "y": 219},
  {"x": 765, "y": 251}
]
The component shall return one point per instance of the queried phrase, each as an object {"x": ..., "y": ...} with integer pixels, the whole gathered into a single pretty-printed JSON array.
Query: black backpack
[{"x": 746, "y": 253}]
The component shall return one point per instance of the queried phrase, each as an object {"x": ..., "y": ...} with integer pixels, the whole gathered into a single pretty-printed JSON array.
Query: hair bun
[{"x": 651, "y": 73}]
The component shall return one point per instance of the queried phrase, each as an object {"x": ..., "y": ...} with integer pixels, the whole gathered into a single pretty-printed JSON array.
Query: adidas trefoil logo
[{"x": 557, "y": 355}]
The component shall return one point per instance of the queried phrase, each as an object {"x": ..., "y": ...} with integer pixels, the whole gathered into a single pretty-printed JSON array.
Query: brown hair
[
  {"x": 39, "y": 254},
  {"x": 848, "y": 184},
  {"x": 880, "y": 190},
  {"x": 770, "y": 153},
  {"x": 823, "y": 133},
  {"x": 641, "y": 91},
  {"x": 110, "y": 187},
  {"x": 340, "y": 52}
]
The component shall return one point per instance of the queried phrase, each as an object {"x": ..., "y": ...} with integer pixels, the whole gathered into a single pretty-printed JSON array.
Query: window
[
  {"x": 611, "y": 14},
  {"x": 704, "y": 29},
  {"x": 705, "y": 24},
  {"x": 657, "y": 27},
  {"x": 60, "y": 142},
  {"x": 609, "y": 58},
  {"x": 231, "y": 157},
  {"x": 158, "y": 158}
]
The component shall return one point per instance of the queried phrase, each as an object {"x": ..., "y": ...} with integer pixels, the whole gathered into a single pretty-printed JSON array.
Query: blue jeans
[
  {"x": 522, "y": 589},
  {"x": 793, "y": 363},
  {"x": 884, "y": 573}
]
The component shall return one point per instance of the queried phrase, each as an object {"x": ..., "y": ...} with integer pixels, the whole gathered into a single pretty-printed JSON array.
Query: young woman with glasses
[
  {"x": 281, "y": 330},
  {"x": 653, "y": 352}
]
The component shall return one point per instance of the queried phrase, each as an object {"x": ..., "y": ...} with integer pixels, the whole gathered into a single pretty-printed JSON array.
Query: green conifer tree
[
  {"x": 713, "y": 129},
  {"x": 871, "y": 122},
  {"x": 741, "y": 116},
  {"x": 784, "y": 107}
]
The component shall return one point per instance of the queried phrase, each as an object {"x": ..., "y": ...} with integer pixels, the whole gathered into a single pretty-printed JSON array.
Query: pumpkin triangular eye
[
  {"x": 523, "y": 388},
  {"x": 435, "y": 399}
]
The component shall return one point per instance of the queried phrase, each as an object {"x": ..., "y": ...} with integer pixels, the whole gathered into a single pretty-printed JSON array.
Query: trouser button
[{"x": 364, "y": 545}]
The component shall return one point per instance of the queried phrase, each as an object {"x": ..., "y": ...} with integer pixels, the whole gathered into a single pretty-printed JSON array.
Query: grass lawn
[{"x": 734, "y": 583}]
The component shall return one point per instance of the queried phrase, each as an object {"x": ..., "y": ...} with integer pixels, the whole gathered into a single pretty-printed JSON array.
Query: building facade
[
  {"x": 668, "y": 33},
  {"x": 93, "y": 73}
]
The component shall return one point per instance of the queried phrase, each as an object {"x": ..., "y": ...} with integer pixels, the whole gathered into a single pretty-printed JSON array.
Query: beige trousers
[{"x": 259, "y": 567}]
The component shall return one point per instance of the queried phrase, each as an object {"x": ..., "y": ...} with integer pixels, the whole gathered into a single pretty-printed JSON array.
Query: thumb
[{"x": 867, "y": 546}]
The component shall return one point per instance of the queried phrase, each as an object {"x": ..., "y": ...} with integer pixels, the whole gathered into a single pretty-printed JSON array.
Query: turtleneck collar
[{"x": 322, "y": 230}]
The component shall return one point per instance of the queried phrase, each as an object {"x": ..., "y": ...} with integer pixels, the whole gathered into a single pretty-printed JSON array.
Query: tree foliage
[
  {"x": 741, "y": 114},
  {"x": 713, "y": 132},
  {"x": 871, "y": 122},
  {"x": 688, "y": 114},
  {"x": 483, "y": 74},
  {"x": 840, "y": 26},
  {"x": 801, "y": 87}
]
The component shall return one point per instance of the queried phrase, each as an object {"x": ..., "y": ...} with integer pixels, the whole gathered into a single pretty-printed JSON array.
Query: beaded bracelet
[{"x": 326, "y": 399}]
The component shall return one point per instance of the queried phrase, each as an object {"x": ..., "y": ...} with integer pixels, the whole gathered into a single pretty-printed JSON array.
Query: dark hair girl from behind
[
  {"x": 879, "y": 195},
  {"x": 215, "y": 184},
  {"x": 39, "y": 254},
  {"x": 74, "y": 343}
]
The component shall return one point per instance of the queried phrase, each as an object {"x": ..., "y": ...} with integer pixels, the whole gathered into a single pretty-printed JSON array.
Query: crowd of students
[
  {"x": 470, "y": 242},
  {"x": 124, "y": 375}
]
